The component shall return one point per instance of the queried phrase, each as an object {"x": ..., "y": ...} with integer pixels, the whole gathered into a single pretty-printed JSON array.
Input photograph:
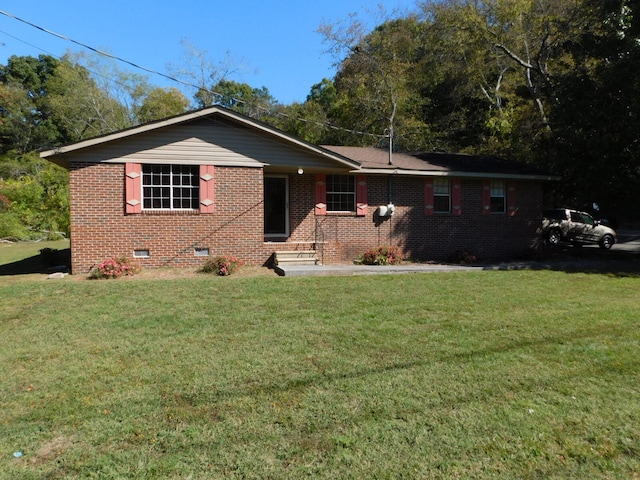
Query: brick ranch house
[{"x": 215, "y": 182}]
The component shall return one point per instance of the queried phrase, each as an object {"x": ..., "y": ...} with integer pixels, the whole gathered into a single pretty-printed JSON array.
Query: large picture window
[
  {"x": 341, "y": 193},
  {"x": 170, "y": 187},
  {"x": 441, "y": 195}
]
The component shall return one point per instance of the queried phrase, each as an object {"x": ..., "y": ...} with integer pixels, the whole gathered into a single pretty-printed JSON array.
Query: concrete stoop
[{"x": 295, "y": 257}]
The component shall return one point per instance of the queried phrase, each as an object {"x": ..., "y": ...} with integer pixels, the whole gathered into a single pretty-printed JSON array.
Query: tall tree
[
  {"x": 242, "y": 97},
  {"x": 79, "y": 106},
  {"x": 199, "y": 71},
  {"x": 161, "y": 103},
  {"x": 372, "y": 84},
  {"x": 26, "y": 116},
  {"x": 596, "y": 146}
]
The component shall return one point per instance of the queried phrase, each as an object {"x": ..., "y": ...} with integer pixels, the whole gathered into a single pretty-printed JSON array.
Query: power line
[
  {"x": 100, "y": 52},
  {"x": 220, "y": 96},
  {"x": 97, "y": 74}
]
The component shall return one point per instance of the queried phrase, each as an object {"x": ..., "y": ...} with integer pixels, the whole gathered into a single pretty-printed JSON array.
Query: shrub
[
  {"x": 113, "y": 268},
  {"x": 462, "y": 257},
  {"x": 382, "y": 255},
  {"x": 222, "y": 265}
]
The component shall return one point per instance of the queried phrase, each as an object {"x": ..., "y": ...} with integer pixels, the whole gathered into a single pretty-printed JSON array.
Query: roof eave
[{"x": 459, "y": 174}]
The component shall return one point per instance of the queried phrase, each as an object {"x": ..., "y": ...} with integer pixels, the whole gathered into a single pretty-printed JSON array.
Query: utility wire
[
  {"x": 174, "y": 79},
  {"x": 93, "y": 72}
]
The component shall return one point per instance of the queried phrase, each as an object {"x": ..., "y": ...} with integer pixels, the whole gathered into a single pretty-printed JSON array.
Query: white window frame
[
  {"x": 351, "y": 192},
  {"x": 442, "y": 189},
  {"x": 148, "y": 172},
  {"x": 498, "y": 190},
  {"x": 141, "y": 253}
]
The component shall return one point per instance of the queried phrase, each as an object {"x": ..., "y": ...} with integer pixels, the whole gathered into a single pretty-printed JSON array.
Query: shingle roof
[{"x": 435, "y": 163}]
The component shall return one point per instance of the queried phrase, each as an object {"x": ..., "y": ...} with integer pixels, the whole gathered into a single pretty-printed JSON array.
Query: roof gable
[{"x": 211, "y": 135}]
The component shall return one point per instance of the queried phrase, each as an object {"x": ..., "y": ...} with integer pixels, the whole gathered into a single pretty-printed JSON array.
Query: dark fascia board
[{"x": 457, "y": 174}]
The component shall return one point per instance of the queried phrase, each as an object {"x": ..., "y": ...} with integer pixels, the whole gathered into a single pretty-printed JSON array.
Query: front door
[{"x": 276, "y": 207}]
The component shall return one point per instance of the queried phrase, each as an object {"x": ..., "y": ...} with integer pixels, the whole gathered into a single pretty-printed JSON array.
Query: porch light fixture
[{"x": 300, "y": 171}]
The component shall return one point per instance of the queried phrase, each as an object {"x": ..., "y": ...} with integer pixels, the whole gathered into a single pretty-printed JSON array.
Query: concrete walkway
[
  {"x": 628, "y": 244},
  {"x": 323, "y": 270}
]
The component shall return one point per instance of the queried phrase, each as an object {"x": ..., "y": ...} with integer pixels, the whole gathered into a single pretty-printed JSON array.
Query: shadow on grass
[
  {"x": 569, "y": 259},
  {"x": 47, "y": 261},
  {"x": 323, "y": 378}
]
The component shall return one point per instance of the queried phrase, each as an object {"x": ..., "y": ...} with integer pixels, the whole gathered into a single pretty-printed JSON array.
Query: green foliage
[
  {"x": 79, "y": 107},
  {"x": 323, "y": 94},
  {"x": 552, "y": 83},
  {"x": 307, "y": 121},
  {"x": 12, "y": 228},
  {"x": 35, "y": 198},
  {"x": 596, "y": 144},
  {"x": 244, "y": 98},
  {"x": 162, "y": 103},
  {"x": 222, "y": 265},
  {"x": 26, "y": 119},
  {"x": 45, "y": 102}
]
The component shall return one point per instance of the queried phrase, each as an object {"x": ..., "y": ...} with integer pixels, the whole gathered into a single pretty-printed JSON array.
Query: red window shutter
[
  {"x": 133, "y": 188},
  {"x": 207, "y": 184},
  {"x": 486, "y": 197},
  {"x": 456, "y": 197},
  {"x": 321, "y": 194},
  {"x": 428, "y": 196},
  {"x": 361, "y": 195},
  {"x": 512, "y": 207}
]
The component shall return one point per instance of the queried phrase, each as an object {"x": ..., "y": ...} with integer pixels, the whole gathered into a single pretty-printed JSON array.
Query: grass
[
  {"x": 442, "y": 375},
  {"x": 25, "y": 258}
]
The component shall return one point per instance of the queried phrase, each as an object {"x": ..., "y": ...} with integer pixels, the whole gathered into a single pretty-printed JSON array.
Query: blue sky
[{"x": 274, "y": 43}]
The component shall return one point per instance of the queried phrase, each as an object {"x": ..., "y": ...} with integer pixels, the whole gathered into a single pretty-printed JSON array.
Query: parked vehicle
[{"x": 579, "y": 228}]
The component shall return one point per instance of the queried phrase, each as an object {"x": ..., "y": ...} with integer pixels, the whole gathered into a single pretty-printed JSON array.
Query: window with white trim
[
  {"x": 170, "y": 187},
  {"x": 498, "y": 196},
  {"x": 441, "y": 195},
  {"x": 341, "y": 193}
]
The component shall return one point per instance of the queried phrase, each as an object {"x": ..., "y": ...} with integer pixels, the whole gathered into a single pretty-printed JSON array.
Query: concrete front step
[{"x": 296, "y": 257}]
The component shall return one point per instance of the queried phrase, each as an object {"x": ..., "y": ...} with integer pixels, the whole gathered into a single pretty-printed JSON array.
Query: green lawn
[
  {"x": 26, "y": 257},
  {"x": 440, "y": 375}
]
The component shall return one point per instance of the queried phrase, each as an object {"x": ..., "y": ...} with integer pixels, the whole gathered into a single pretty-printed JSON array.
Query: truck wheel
[
  {"x": 606, "y": 242},
  {"x": 553, "y": 237}
]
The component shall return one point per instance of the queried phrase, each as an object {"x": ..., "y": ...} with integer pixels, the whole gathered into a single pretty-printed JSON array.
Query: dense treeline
[
  {"x": 554, "y": 83},
  {"x": 46, "y": 102}
]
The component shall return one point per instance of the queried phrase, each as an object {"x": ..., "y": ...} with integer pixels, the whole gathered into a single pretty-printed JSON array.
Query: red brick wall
[
  {"x": 343, "y": 238},
  {"x": 100, "y": 229}
]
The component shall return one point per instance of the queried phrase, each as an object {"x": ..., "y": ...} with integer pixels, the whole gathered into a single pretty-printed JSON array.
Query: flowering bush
[
  {"x": 114, "y": 268},
  {"x": 463, "y": 257},
  {"x": 222, "y": 265},
  {"x": 382, "y": 255}
]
